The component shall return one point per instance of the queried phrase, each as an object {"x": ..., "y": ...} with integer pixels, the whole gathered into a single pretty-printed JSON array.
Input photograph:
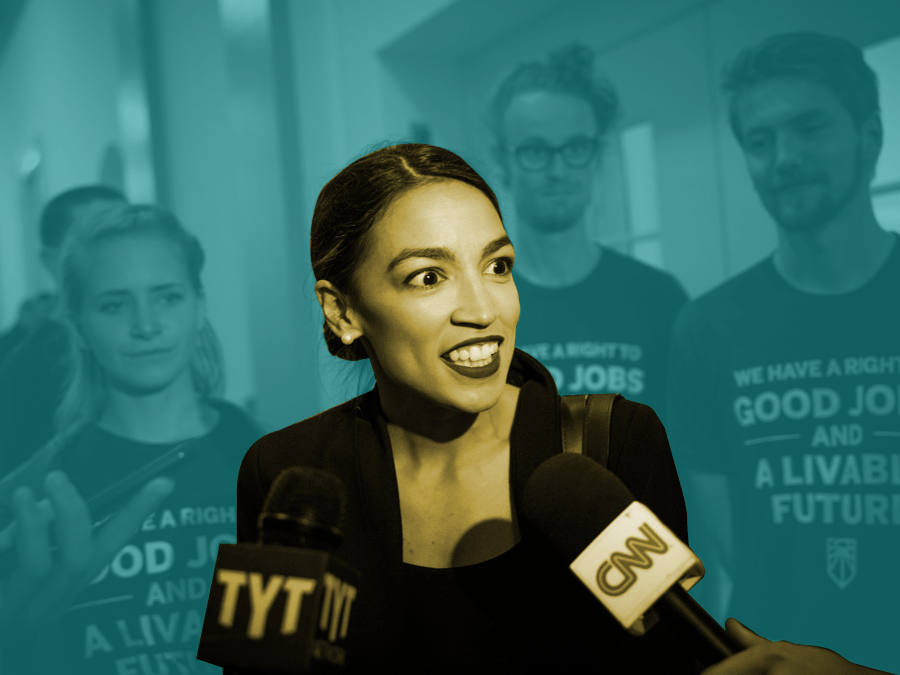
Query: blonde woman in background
[{"x": 142, "y": 400}]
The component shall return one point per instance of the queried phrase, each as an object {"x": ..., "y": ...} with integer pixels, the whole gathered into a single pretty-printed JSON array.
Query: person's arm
[
  {"x": 44, "y": 582},
  {"x": 764, "y": 657},
  {"x": 709, "y": 512},
  {"x": 699, "y": 447}
]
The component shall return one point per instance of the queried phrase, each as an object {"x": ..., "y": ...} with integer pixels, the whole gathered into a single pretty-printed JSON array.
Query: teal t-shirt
[
  {"x": 144, "y": 611},
  {"x": 606, "y": 334},
  {"x": 795, "y": 398}
]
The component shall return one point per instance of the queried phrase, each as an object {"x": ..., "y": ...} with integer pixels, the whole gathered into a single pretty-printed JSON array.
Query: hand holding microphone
[
  {"x": 633, "y": 563},
  {"x": 622, "y": 552},
  {"x": 764, "y": 657}
]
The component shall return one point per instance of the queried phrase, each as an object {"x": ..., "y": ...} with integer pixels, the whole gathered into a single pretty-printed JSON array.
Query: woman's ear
[{"x": 339, "y": 316}]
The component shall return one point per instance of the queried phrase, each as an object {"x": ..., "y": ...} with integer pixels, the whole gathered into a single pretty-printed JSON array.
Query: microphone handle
[{"x": 684, "y": 617}]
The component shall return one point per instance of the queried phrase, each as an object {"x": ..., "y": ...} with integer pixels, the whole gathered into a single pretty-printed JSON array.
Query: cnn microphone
[
  {"x": 635, "y": 565},
  {"x": 284, "y": 604}
]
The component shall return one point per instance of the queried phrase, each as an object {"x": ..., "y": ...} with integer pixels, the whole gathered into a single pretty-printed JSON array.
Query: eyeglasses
[{"x": 576, "y": 154}]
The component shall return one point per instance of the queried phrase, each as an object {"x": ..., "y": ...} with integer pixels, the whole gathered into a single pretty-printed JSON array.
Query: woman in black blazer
[{"x": 414, "y": 272}]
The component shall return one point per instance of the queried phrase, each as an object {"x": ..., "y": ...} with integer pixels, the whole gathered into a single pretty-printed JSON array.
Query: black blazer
[{"x": 351, "y": 441}]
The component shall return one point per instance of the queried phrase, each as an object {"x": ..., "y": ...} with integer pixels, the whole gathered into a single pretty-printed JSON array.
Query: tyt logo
[
  {"x": 335, "y": 611},
  {"x": 625, "y": 563},
  {"x": 261, "y": 599}
]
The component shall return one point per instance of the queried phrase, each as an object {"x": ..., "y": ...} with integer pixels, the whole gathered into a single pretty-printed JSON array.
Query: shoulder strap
[{"x": 586, "y": 424}]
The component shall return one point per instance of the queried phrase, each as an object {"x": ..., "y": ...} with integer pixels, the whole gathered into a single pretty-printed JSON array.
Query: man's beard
[
  {"x": 814, "y": 217},
  {"x": 551, "y": 218}
]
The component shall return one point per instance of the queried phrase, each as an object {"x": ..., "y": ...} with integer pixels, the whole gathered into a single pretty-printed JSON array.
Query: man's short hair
[
  {"x": 567, "y": 71},
  {"x": 825, "y": 60},
  {"x": 57, "y": 214}
]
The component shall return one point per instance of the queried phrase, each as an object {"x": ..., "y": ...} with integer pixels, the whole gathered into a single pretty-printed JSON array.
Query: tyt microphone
[
  {"x": 284, "y": 604},
  {"x": 634, "y": 564}
]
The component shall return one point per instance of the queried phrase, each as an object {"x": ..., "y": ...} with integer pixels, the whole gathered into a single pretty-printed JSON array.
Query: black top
[
  {"x": 467, "y": 606},
  {"x": 520, "y": 612}
]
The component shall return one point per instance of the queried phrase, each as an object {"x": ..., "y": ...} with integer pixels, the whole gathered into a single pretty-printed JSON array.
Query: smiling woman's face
[{"x": 435, "y": 298}]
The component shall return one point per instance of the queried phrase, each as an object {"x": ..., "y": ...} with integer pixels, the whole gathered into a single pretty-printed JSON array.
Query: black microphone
[
  {"x": 635, "y": 565},
  {"x": 284, "y": 603}
]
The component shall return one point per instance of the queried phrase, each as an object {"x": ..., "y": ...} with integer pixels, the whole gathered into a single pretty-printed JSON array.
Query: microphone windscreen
[
  {"x": 570, "y": 499},
  {"x": 299, "y": 489}
]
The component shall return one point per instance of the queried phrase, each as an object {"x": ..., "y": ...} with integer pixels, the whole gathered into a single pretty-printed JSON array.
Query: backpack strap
[{"x": 586, "y": 424}]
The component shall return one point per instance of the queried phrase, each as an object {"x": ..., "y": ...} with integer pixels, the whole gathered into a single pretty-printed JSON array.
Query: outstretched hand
[
  {"x": 44, "y": 583},
  {"x": 764, "y": 657}
]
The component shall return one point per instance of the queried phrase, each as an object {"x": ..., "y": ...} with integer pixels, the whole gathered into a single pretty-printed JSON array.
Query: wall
[
  {"x": 346, "y": 102},
  {"x": 57, "y": 78},
  {"x": 195, "y": 127}
]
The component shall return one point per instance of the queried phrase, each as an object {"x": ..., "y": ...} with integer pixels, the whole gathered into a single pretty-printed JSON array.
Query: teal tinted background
[{"x": 233, "y": 114}]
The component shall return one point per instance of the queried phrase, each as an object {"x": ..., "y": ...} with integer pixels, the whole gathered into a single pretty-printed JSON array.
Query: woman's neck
[
  {"x": 170, "y": 415},
  {"x": 446, "y": 439}
]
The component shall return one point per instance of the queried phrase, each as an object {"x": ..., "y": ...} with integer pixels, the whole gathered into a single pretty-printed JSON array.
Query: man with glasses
[{"x": 600, "y": 321}]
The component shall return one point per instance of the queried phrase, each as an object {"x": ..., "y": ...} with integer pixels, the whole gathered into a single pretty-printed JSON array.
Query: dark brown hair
[
  {"x": 353, "y": 201},
  {"x": 826, "y": 60}
]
